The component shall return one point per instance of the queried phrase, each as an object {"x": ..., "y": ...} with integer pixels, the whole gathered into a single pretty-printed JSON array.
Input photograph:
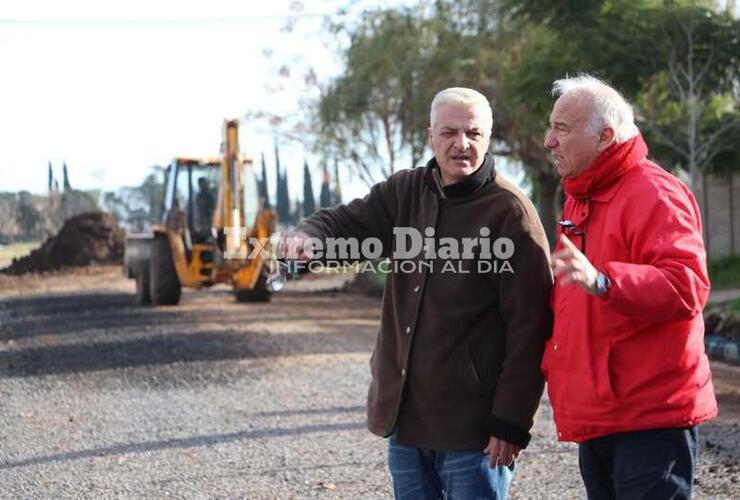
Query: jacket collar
[
  {"x": 472, "y": 183},
  {"x": 606, "y": 169}
]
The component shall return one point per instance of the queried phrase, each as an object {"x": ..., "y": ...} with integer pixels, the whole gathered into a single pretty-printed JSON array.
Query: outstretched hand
[{"x": 295, "y": 246}]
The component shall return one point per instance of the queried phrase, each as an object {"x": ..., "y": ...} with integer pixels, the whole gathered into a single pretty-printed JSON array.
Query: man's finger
[
  {"x": 494, "y": 447},
  {"x": 574, "y": 277},
  {"x": 556, "y": 262},
  {"x": 567, "y": 268},
  {"x": 568, "y": 244},
  {"x": 563, "y": 253}
]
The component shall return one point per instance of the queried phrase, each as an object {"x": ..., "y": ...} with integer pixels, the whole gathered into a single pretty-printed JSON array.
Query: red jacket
[{"x": 633, "y": 359}]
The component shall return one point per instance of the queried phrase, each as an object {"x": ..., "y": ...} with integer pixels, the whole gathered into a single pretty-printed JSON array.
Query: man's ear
[
  {"x": 606, "y": 138},
  {"x": 429, "y": 135}
]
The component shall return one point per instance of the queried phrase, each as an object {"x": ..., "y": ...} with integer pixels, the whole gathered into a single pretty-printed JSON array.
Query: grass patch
[
  {"x": 734, "y": 306},
  {"x": 724, "y": 272},
  {"x": 15, "y": 250}
]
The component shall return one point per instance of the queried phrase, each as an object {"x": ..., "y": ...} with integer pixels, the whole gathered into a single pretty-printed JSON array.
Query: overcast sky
[{"x": 114, "y": 89}]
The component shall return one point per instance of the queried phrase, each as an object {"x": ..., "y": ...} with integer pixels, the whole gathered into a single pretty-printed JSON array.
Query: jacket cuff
[
  {"x": 310, "y": 230},
  {"x": 507, "y": 431}
]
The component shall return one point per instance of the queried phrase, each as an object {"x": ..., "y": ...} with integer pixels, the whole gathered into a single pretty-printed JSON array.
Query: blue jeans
[
  {"x": 429, "y": 474},
  {"x": 653, "y": 464}
]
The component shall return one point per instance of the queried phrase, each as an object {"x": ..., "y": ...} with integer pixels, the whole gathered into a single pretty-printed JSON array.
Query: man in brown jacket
[{"x": 465, "y": 315}]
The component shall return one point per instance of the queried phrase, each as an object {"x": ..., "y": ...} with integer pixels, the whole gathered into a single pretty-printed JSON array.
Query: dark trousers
[{"x": 656, "y": 464}]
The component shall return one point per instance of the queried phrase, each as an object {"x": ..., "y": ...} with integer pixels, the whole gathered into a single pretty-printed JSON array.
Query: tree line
[
  {"x": 678, "y": 62},
  {"x": 291, "y": 211},
  {"x": 29, "y": 217}
]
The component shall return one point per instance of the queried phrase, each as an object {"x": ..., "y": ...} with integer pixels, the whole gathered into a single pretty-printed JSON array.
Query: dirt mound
[{"x": 89, "y": 238}]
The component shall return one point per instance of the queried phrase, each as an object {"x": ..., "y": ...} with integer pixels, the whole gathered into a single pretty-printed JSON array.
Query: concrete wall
[{"x": 721, "y": 212}]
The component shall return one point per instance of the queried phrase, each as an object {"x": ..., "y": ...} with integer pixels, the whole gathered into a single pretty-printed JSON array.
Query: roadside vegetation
[{"x": 724, "y": 273}]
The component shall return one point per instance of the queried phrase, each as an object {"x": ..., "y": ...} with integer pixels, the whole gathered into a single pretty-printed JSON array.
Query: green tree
[
  {"x": 309, "y": 202},
  {"x": 138, "y": 207},
  {"x": 325, "y": 197},
  {"x": 264, "y": 193},
  {"x": 9, "y": 229},
  {"x": 67, "y": 185},
  {"x": 450, "y": 44},
  {"x": 27, "y": 216},
  {"x": 337, "y": 194},
  {"x": 689, "y": 106},
  {"x": 375, "y": 113},
  {"x": 545, "y": 42},
  {"x": 283, "y": 196},
  {"x": 512, "y": 51}
]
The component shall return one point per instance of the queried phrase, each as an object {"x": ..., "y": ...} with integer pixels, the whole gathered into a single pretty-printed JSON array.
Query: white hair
[
  {"x": 608, "y": 107},
  {"x": 462, "y": 95}
]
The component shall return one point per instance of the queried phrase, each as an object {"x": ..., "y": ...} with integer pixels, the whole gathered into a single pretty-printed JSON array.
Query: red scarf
[{"x": 609, "y": 166}]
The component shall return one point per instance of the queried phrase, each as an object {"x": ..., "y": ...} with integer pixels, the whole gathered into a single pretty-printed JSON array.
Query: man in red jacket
[{"x": 627, "y": 375}]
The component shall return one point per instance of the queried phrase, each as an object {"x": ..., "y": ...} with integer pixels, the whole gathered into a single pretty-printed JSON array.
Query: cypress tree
[
  {"x": 264, "y": 194},
  {"x": 283, "y": 200},
  {"x": 309, "y": 202},
  {"x": 67, "y": 187},
  {"x": 337, "y": 187},
  {"x": 287, "y": 214},
  {"x": 325, "y": 196},
  {"x": 298, "y": 213}
]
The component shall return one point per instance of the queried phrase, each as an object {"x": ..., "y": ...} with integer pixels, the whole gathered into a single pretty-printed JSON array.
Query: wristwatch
[{"x": 602, "y": 284}]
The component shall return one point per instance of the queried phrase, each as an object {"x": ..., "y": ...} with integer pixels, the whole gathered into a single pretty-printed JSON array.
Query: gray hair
[
  {"x": 608, "y": 107},
  {"x": 462, "y": 95}
]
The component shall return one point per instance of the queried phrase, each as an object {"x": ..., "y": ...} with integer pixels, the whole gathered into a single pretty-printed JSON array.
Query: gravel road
[{"x": 100, "y": 397}]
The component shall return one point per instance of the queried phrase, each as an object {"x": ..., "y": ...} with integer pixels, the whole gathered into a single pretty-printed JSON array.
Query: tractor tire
[
  {"x": 143, "y": 296},
  {"x": 164, "y": 285},
  {"x": 259, "y": 293}
]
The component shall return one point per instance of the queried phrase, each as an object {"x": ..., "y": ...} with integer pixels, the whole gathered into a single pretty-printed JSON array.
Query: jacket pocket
[
  {"x": 604, "y": 382},
  {"x": 475, "y": 378},
  {"x": 459, "y": 379}
]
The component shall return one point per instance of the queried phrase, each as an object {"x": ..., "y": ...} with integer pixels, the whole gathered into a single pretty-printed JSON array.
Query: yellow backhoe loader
[{"x": 213, "y": 218}]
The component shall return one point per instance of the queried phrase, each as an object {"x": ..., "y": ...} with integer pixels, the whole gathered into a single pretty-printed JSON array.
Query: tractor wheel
[
  {"x": 259, "y": 293},
  {"x": 142, "y": 285},
  {"x": 164, "y": 285}
]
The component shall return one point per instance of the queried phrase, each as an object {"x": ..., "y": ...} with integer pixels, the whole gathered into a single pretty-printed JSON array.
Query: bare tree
[{"x": 691, "y": 106}]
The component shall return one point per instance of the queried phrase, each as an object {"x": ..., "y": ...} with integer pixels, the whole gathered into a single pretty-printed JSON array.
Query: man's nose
[
  {"x": 550, "y": 141},
  {"x": 462, "y": 141}
]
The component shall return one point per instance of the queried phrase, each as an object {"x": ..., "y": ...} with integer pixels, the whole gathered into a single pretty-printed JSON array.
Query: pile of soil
[{"x": 89, "y": 238}]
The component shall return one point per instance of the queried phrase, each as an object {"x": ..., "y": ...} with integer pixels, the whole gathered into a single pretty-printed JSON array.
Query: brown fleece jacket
[{"x": 457, "y": 357}]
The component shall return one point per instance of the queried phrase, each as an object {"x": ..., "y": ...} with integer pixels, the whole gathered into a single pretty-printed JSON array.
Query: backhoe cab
[{"x": 212, "y": 212}]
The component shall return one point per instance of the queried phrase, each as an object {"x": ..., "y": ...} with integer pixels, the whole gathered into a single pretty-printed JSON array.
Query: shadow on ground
[
  {"x": 88, "y": 332},
  {"x": 188, "y": 442}
]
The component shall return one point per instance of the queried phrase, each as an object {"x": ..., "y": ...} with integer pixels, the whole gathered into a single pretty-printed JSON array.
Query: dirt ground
[{"x": 211, "y": 398}]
